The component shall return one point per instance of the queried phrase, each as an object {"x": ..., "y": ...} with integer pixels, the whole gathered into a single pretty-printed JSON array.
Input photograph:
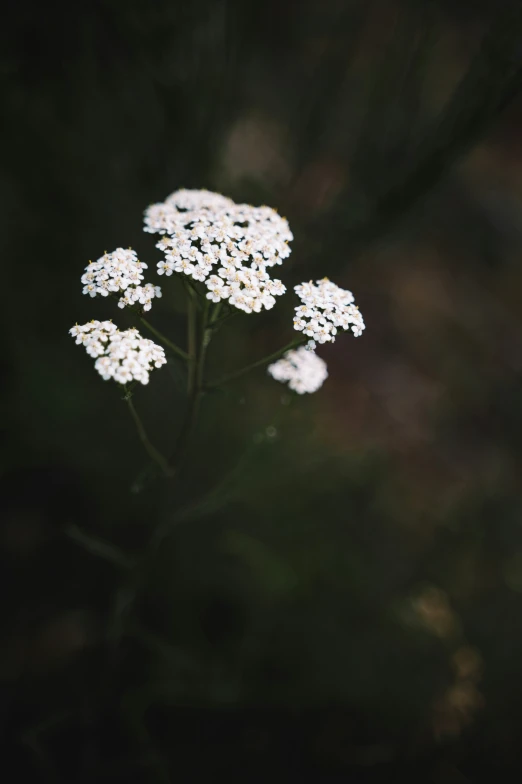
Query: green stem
[
  {"x": 217, "y": 323},
  {"x": 196, "y": 363},
  {"x": 99, "y": 548},
  {"x": 195, "y": 385},
  {"x": 206, "y": 337},
  {"x": 192, "y": 328},
  {"x": 138, "y": 311},
  {"x": 150, "y": 448},
  {"x": 175, "y": 349},
  {"x": 214, "y": 320},
  {"x": 270, "y": 358}
]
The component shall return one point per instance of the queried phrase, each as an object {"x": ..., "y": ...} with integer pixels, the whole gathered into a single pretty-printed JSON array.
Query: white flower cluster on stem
[
  {"x": 230, "y": 248},
  {"x": 227, "y": 246},
  {"x": 119, "y": 271},
  {"x": 124, "y": 356},
  {"x": 326, "y": 308},
  {"x": 303, "y": 370}
]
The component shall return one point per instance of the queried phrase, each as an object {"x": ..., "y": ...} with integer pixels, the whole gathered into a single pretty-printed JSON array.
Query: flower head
[
  {"x": 206, "y": 233},
  {"x": 140, "y": 294},
  {"x": 326, "y": 308},
  {"x": 302, "y": 369},
  {"x": 124, "y": 356},
  {"x": 119, "y": 271}
]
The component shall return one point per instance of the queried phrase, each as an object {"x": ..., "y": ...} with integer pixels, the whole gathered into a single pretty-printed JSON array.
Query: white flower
[
  {"x": 217, "y": 289},
  {"x": 301, "y": 368},
  {"x": 165, "y": 268},
  {"x": 207, "y": 231},
  {"x": 119, "y": 271},
  {"x": 124, "y": 356},
  {"x": 200, "y": 272},
  {"x": 326, "y": 308}
]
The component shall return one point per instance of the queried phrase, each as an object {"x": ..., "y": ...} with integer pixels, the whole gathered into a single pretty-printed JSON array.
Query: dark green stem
[
  {"x": 175, "y": 349},
  {"x": 172, "y": 346},
  {"x": 192, "y": 326},
  {"x": 270, "y": 358},
  {"x": 99, "y": 548},
  {"x": 150, "y": 448},
  {"x": 206, "y": 337},
  {"x": 197, "y": 353},
  {"x": 195, "y": 381}
]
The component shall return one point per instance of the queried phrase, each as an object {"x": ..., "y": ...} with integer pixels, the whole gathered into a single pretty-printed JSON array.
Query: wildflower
[
  {"x": 301, "y": 368},
  {"x": 326, "y": 308},
  {"x": 124, "y": 356},
  {"x": 205, "y": 232},
  {"x": 165, "y": 268},
  {"x": 140, "y": 294},
  {"x": 217, "y": 289},
  {"x": 120, "y": 271}
]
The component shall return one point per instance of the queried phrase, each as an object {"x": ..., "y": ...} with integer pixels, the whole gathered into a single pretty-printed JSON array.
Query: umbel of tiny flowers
[
  {"x": 119, "y": 271},
  {"x": 302, "y": 369},
  {"x": 229, "y": 247},
  {"x": 225, "y": 251},
  {"x": 123, "y": 356},
  {"x": 326, "y": 308}
]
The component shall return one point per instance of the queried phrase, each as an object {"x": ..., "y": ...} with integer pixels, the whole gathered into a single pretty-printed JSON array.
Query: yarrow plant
[{"x": 224, "y": 253}]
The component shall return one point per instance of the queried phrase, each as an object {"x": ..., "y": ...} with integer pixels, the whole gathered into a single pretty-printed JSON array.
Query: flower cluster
[
  {"x": 230, "y": 248},
  {"x": 124, "y": 356},
  {"x": 164, "y": 218},
  {"x": 326, "y": 308},
  {"x": 119, "y": 271},
  {"x": 303, "y": 370},
  {"x": 140, "y": 294},
  {"x": 225, "y": 245}
]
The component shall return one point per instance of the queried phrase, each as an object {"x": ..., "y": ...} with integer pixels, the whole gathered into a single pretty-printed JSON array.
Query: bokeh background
[{"x": 339, "y": 593}]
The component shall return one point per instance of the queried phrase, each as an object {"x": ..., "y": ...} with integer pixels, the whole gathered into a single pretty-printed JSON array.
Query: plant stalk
[
  {"x": 153, "y": 453},
  {"x": 271, "y": 357},
  {"x": 175, "y": 349}
]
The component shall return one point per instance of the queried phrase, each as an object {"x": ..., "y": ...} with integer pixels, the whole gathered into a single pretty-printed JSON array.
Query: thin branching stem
[
  {"x": 99, "y": 548},
  {"x": 197, "y": 354},
  {"x": 165, "y": 340},
  {"x": 270, "y": 358},
  {"x": 192, "y": 329},
  {"x": 153, "y": 453},
  {"x": 172, "y": 346}
]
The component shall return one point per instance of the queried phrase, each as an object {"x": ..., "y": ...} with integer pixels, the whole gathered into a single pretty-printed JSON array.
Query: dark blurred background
[{"x": 338, "y": 596}]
